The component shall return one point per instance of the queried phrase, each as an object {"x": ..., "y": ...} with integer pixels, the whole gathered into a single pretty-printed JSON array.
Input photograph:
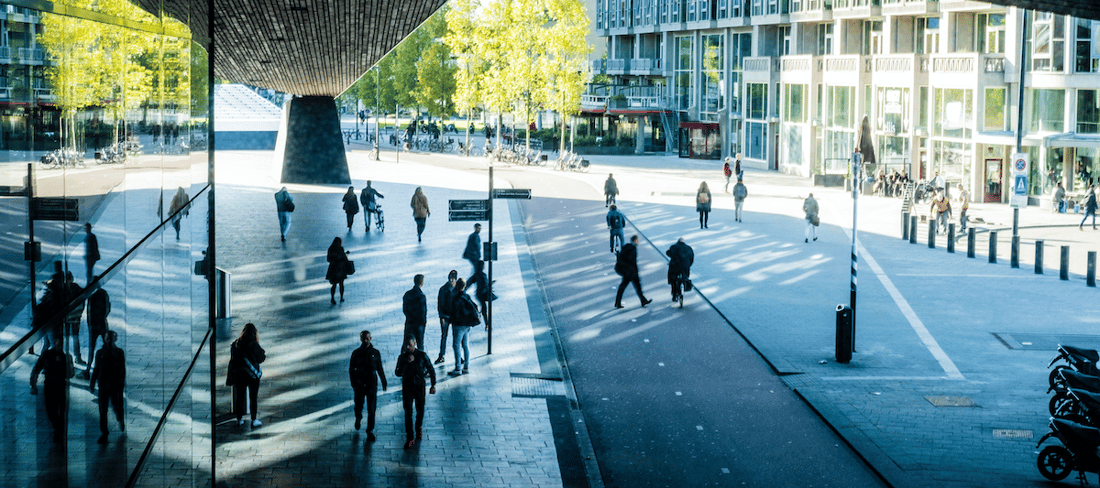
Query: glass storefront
[{"x": 103, "y": 133}]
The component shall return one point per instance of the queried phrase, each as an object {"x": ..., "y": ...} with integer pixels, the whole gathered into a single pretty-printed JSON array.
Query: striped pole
[{"x": 857, "y": 165}]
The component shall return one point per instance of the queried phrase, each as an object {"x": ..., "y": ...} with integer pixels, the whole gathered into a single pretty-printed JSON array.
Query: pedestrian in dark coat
[
  {"x": 364, "y": 370},
  {"x": 337, "y": 268},
  {"x": 610, "y": 190},
  {"x": 415, "y": 306},
  {"x": 351, "y": 206},
  {"x": 1090, "y": 209},
  {"x": 739, "y": 194},
  {"x": 245, "y": 356},
  {"x": 702, "y": 204},
  {"x": 681, "y": 257},
  {"x": 616, "y": 221},
  {"x": 414, "y": 367},
  {"x": 443, "y": 307},
  {"x": 284, "y": 206},
  {"x": 58, "y": 368},
  {"x": 72, "y": 319},
  {"x": 626, "y": 265},
  {"x": 110, "y": 373},
  {"x": 99, "y": 306},
  {"x": 91, "y": 251},
  {"x": 472, "y": 253},
  {"x": 464, "y": 318},
  {"x": 370, "y": 204}
]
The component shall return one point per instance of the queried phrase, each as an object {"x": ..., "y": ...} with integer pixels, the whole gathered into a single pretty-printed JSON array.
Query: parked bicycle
[{"x": 62, "y": 158}]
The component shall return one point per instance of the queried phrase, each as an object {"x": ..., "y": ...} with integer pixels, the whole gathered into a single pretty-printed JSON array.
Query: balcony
[
  {"x": 5, "y": 55},
  {"x": 796, "y": 64},
  {"x": 35, "y": 56},
  {"x": 953, "y": 69},
  {"x": 645, "y": 66},
  {"x": 846, "y": 70},
  {"x": 5, "y": 93},
  {"x": 594, "y": 103},
  {"x": 44, "y": 95},
  {"x": 910, "y": 7},
  {"x": 811, "y": 10},
  {"x": 856, "y": 9},
  {"x": 599, "y": 66},
  {"x": 617, "y": 66}
]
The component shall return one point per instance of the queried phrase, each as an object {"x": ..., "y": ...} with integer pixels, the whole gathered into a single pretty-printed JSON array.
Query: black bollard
[
  {"x": 913, "y": 229},
  {"x": 970, "y": 240},
  {"x": 1063, "y": 273},
  {"x": 1014, "y": 259},
  {"x": 993, "y": 246},
  {"x": 1090, "y": 275},
  {"x": 904, "y": 225},
  {"x": 932, "y": 234},
  {"x": 1038, "y": 257}
]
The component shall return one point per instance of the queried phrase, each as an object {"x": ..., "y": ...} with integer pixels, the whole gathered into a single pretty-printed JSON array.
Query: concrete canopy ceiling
[{"x": 303, "y": 47}]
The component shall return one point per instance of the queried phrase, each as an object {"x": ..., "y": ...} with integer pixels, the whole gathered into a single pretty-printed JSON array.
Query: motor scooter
[
  {"x": 1077, "y": 452},
  {"x": 1069, "y": 378},
  {"x": 1077, "y": 359}
]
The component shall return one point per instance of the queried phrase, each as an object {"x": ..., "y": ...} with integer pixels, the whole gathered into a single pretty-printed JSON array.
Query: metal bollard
[
  {"x": 970, "y": 240},
  {"x": 1038, "y": 257},
  {"x": 993, "y": 246},
  {"x": 1014, "y": 259},
  {"x": 951, "y": 237},
  {"x": 844, "y": 341},
  {"x": 913, "y": 229},
  {"x": 1063, "y": 273},
  {"x": 1090, "y": 276},
  {"x": 904, "y": 225},
  {"x": 931, "y": 234},
  {"x": 223, "y": 285}
]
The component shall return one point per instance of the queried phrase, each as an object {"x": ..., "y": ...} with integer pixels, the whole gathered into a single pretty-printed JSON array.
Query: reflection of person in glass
[
  {"x": 245, "y": 356},
  {"x": 58, "y": 368},
  {"x": 110, "y": 372},
  {"x": 179, "y": 202},
  {"x": 91, "y": 250}
]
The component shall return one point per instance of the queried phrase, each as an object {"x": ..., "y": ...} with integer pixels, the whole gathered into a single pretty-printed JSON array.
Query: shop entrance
[{"x": 992, "y": 181}]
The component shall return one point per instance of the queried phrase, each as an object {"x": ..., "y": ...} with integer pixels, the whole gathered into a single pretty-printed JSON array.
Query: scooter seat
[
  {"x": 1080, "y": 381},
  {"x": 1084, "y": 432},
  {"x": 1092, "y": 399},
  {"x": 1089, "y": 354}
]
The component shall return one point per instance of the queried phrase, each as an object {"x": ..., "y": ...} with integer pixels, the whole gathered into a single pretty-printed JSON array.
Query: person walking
[
  {"x": 464, "y": 317},
  {"x": 626, "y": 265},
  {"x": 680, "y": 258},
  {"x": 616, "y": 221},
  {"x": 337, "y": 268},
  {"x": 370, "y": 204},
  {"x": 71, "y": 291},
  {"x": 99, "y": 306},
  {"x": 91, "y": 251},
  {"x": 284, "y": 205},
  {"x": 737, "y": 171},
  {"x": 364, "y": 370},
  {"x": 414, "y": 368},
  {"x": 444, "y": 308},
  {"x": 610, "y": 190},
  {"x": 1058, "y": 201},
  {"x": 58, "y": 368},
  {"x": 415, "y": 306},
  {"x": 472, "y": 253},
  {"x": 1090, "y": 209},
  {"x": 809, "y": 206},
  {"x": 702, "y": 204},
  {"x": 178, "y": 209},
  {"x": 941, "y": 209},
  {"x": 245, "y": 356},
  {"x": 421, "y": 212},
  {"x": 739, "y": 194},
  {"x": 727, "y": 172},
  {"x": 964, "y": 205},
  {"x": 351, "y": 206},
  {"x": 110, "y": 373}
]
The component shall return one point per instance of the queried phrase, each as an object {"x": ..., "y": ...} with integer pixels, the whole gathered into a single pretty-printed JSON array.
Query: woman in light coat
[
  {"x": 702, "y": 204},
  {"x": 421, "y": 212}
]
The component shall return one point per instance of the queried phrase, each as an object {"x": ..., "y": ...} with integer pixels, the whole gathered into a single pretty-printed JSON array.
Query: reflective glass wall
[{"x": 103, "y": 173}]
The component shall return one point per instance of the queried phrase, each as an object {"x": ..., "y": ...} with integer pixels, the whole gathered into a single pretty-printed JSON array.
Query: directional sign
[
  {"x": 467, "y": 215},
  {"x": 468, "y": 205},
  {"x": 53, "y": 208},
  {"x": 524, "y": 193}
]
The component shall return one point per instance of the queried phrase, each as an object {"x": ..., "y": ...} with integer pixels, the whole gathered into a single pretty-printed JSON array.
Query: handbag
[
  {"x": 814, "y": 219},
  {"x": 289, "y": 206},
  {"x": 253, "y": 370},
  {"x": 349, "y": 267}
]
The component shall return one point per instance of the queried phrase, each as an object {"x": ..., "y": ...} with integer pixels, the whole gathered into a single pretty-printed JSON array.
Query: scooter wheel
[
  {"x": 1056, "y": 402},
  {"x": 1055, "y": 463},
  {"x": 1054, "y": 379}
]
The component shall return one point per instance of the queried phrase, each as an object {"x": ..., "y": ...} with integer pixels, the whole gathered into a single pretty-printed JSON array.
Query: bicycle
[
  {"x": 682, "y": 284},
  {"x": 449, "y": 145},
  {"x": 435, "y": 146}
]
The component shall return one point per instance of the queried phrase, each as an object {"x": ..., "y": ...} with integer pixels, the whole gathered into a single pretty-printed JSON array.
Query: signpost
[
  {"x": 1019, "y": 180},
  {"x": 54, "y": 208},
  {"x": 467, "y": 210},
  {"x": 520, "y": 193}
]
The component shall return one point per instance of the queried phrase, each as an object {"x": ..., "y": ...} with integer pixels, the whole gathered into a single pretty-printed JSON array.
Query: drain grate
[
  {"x": 1012, "y": 434},
  {"x": 528, "y": 385},
  {"x": 950, "y": 401},
  {"x": 1029, "y": 341}
]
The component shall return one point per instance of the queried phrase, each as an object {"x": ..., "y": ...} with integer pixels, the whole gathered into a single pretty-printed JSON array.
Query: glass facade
[
  {"x": 684, "y": 67},
  {"x": 713, "y": 82},
  {"x": 103, "y": 133},
  {"x": 1047, "y": 110}
]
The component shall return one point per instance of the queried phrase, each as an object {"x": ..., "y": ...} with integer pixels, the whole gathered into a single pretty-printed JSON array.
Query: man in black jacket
[
  {"x": 681, "y": 257},
  {"x": 443, "y": 307},
  {"x": 58, "y": 368},
  {"x": 413, "y": 366},
  {"x": 110, "y": 372},
  {"x": 415, "y": 306},
  {"x": 364, "y": 370},
  {"x": 473, "y": 248},
  {"x": 627, "y": 266}
]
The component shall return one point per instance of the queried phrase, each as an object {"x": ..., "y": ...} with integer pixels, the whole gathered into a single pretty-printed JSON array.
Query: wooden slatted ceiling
[{"x": 304, "y": 47}]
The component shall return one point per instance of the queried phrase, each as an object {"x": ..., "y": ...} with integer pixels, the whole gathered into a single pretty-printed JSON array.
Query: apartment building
[{"x": 786, "y": 83}]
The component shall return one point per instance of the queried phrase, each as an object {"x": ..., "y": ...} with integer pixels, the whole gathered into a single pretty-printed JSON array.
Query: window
[
  {"x": 995, "y": 118},
  {"x": 842, "y": 106},
  {"x": 794, "y": 108},
  {"x": 922, "y": 108},
  {"x": 1088, "y": 112},
  {"x": 824, "y": 39},
  {"x": 740, "y": 45},
  {"x": 872, "y": 37},
  {"x": 952, "y": 116},
  {"x": 684, "y": 46},
  {"x": 785, "y": 40},
  {"x": 1048, "y": 42},
  {"x": 1047, "y": 110},
  {"x": 928, "y": 35},
  {"x": 758, "y": 101},
  {"x": 713, "y": 70},
  {"x": 893, "y": 110},
  {"x": 993, "y": 27},
  {"x": 1088, "y": 50}
]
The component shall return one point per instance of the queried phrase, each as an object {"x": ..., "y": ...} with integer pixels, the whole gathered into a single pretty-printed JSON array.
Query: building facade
[{"x": 785, "y": 83}]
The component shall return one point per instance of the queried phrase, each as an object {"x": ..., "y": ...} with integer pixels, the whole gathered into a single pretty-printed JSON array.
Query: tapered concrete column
[{"x": 312, "y": 148}]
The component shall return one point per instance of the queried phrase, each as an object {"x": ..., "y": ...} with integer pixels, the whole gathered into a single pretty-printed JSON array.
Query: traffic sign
[
  {"x": 1019, "y": 163},
  {"x": 55, "y": 208},
  {"x": 524, "y": 193},
  {"x": 467, "y": 215},
  {"x": 468, "y": 205}
]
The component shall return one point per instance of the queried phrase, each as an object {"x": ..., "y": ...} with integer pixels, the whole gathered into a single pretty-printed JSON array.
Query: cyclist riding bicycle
[{"x": 681, "y": 257}]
